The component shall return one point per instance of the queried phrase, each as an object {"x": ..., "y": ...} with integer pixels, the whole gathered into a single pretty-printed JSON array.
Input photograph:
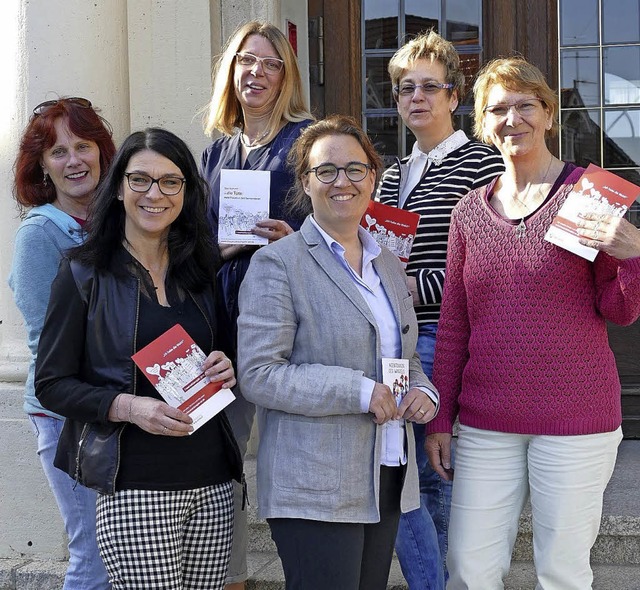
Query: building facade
[{"x": 148, "y": 62}]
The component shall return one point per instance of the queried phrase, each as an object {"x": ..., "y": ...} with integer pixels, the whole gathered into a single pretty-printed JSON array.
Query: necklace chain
[
  {"x": 256, "y": 141},
  {"x": 521, "y": 228}
]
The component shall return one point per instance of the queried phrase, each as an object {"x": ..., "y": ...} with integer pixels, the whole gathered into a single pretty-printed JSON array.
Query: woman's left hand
[
  {"x": 416, "y": 407},
  {"x": 272, "y": 229},
  {"x": 614, "y": 235},
  {"x": 219, "y": 368}
]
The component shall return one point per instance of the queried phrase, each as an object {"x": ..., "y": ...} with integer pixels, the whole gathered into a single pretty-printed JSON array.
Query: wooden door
[{"x": 334, "y": 57}]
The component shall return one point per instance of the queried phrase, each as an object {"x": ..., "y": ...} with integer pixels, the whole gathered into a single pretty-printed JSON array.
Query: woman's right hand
[
  {"x": 152, "y": 415},
  {"x": 382, "y": 404},
  {"x": 438, "y": 448}
]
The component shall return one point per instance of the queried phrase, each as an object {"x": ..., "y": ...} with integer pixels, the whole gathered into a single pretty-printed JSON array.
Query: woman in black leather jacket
[{"x": 165, "y": 510}]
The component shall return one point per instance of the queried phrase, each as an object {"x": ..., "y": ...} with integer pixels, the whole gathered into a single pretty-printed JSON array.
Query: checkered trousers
[{"x": 166, "y": 540}]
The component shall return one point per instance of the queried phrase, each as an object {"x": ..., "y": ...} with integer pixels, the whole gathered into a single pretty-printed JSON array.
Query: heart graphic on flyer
[
  {"x": 370, "y": 220},
  {"x": 155, "y": 370}
]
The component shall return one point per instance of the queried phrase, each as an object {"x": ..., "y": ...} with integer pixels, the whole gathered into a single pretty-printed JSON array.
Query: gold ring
[{"x": 422, "y": 412}]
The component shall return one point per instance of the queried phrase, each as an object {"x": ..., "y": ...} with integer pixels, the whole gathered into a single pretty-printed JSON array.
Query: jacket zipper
[{"x": 83, "y": 436}]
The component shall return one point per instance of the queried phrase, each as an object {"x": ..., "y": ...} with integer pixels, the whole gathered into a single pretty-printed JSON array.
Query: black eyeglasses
[
  {"x": 47, "y": 104},
  {"x": 141, "y": 183},
  {"x": 327, "y": 173},
  {"x": 270, "y": 64},
  {"x": 408, "y": 89}
]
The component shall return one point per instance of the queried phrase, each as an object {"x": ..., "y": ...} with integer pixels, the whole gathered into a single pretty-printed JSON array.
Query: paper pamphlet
[
  {"x": 391, "y": 227},
  {"x": 244, "y": 200},
  {"x": 395, "y": 374},
  {"x": 173, "y": 365},
  {"x": 596, "y": 191}
]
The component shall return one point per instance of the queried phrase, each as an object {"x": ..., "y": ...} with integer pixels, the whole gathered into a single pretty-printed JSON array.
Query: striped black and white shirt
[{"x": 444, "y": 183}]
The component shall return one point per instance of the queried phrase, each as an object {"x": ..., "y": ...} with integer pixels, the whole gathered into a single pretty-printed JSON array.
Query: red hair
[{"x": 40, "y": 135}]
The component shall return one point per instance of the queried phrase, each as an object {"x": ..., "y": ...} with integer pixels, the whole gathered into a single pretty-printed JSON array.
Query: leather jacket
[{"x": 84, "y": 362}]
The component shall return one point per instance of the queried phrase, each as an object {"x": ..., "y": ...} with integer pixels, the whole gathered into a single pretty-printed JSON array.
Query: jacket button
[{"x": 405, "y": 329}]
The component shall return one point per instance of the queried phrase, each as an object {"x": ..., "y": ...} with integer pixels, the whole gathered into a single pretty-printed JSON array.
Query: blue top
[
  {"x": 41, "y": 240},
  {"x": 225, "y": 153}
]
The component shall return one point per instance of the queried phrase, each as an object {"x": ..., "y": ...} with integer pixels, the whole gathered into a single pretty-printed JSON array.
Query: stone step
[
  {"x": 617, "y": 543},
  {"x": 265, "y": 573}
]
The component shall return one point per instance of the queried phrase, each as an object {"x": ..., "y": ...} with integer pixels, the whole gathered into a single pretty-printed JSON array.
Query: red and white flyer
[
  {"x": 596, "y": 191},
  {"x": 173, "y": 364},
  {"x": 391, "y": 227}
]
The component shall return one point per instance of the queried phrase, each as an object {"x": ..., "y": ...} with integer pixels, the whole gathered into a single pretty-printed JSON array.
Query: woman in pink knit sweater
[{"x": 522, "y": 356}]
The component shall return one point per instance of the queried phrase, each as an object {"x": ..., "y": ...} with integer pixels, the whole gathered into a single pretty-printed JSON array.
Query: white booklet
[
  {"x": 244, "y": 200},
  {"x": 395, "y": 375}
]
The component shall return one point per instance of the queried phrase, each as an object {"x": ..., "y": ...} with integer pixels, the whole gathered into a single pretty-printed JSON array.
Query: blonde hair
[
  {"x": 517, "y": 75},
  {"x": 433, "y": 47},
  {"x": 224, "y": 112}
]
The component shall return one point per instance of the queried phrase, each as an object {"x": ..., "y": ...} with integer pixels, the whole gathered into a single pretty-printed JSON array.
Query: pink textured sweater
[{"x": 522, "y": 340}]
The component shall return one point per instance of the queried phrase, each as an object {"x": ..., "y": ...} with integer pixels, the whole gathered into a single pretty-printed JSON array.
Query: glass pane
[
  {"x": 383, "y": 132},
  {"x": 409, "y": 140},
  {"x": 620, "y": 21},
  {"x": 463, "y": 21},
  {"x": 622, "y": 138},
  {"x": 420, "y": 16},
  {"x": 378, "y": 84},
  {"x": 580, "y": 77},
  {"x": 579, "y": 22},
  {"x": 464, "y": 122},
  {"x": 470, "y": 65},
  {"x": 622, "y": 75},
  {"x": 580, "y": 138},
  {"x": 381, "y": 24}
]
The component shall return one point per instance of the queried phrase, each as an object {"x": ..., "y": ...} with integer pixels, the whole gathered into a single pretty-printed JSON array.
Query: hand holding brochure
[
  {"x": 244, "y": 200},
  {"x": 596, "y": 191},
  {"x": 173, "y": 365},
  {"x": 391, "y": 227}
]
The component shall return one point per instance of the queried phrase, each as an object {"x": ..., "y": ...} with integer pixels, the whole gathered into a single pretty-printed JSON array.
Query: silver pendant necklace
[{"x": 521, "y": 228}]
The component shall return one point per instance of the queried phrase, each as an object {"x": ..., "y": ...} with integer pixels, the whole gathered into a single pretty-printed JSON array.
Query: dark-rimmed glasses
[
  {"x": 44, "y": 106},
  {"x": 408, "y": 89},
  {"x": 327, "y": 173},
  {"x": 270, "y": 64},
  {"x": 141, "y": 183},
  {"x": 525, "y": 108}
]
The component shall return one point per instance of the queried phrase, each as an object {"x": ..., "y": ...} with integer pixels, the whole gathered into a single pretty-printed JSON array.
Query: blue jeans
[
  {"x": 421, "y": 544},
  {"x": 77, "y": 506}
]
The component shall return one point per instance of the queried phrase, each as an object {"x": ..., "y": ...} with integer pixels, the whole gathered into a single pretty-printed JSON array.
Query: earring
[
  {"x": 44, "y": 178},
  {"x": 119, "y": 197}
]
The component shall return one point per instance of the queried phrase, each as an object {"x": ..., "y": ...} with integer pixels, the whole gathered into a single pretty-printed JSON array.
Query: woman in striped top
[{"x": 443, "y": 166}]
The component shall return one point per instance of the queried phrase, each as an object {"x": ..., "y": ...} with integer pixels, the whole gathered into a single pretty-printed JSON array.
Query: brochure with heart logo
[
  {"x": 596, "y": 191},
  {"x": 173, "y": 365},
  {"x": 391, "y": 227}
]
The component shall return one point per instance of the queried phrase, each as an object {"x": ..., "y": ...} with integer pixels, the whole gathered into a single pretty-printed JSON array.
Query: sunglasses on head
[{"x": 47, "y": 104}]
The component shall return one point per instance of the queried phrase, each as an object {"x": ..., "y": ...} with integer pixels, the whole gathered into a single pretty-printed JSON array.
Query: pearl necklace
[
  {"x": 255, "y": 142},
  {"x": 521, "y": 228}
]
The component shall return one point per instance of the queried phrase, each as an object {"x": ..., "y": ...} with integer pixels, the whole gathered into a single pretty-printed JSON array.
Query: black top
[{"x": 153, "y": 462}]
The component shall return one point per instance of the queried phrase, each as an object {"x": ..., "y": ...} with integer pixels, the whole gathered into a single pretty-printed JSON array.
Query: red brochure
[
  {"x": 596, "y": 191},
  {"x": 391, "y": 227},
  {"x": 173, "y": 365}
]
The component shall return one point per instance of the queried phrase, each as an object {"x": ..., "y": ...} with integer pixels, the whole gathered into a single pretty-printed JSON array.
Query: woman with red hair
[{"x": 64, "y": 153}]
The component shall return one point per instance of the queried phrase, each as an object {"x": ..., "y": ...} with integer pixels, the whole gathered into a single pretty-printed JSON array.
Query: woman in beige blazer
[{"x": 319, "y": 309}]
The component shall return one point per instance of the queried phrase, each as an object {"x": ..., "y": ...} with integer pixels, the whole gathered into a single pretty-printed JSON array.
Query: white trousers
[{"x": 565, "y": 478}]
